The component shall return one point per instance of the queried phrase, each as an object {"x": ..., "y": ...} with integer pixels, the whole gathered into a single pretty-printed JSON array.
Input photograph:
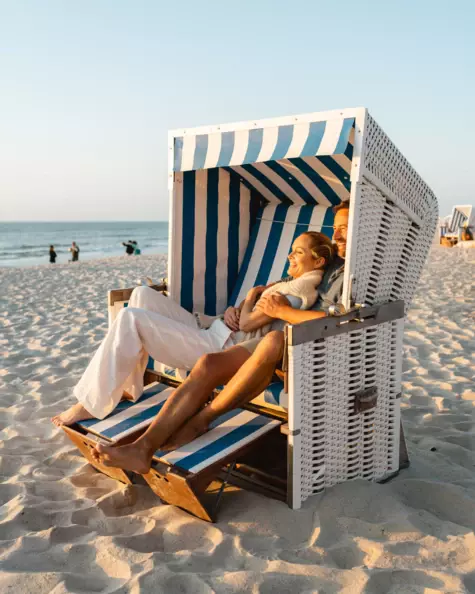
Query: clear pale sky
[{"x": 89, "y": 88}]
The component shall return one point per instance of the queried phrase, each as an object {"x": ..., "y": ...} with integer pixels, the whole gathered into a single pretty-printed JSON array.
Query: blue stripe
[
  {"x": 231, "y": 438},
  {"x": 132, "y": 422},
  {"x": 349, "y": 151},
  {"x": 245, "y": 262},
  {"x": 273, "y": 392},
  {"x": 292, "y": 181},
  {"x": 177, "y": 153},
  {"x": 272, "y": 245},
  {"x": 124, "y": 404},
  {"x": 265, "y": 181},
  {"x": 254, "y": 145},
  {"x": 188, "y": 240},
  {"x": 201, "y": 148},
  {"x": 321, "y": 184},
  {"x": 337, "y": 170},
  {"x": 344, "y": 136},
  {"x": 227, "y": 148},
  {"x": 314, "y": 139},
  {"x": 219, "y": 421},
  {"x": 284, "y": 139},
  {"x": 233, "y": 231},
  {"x": 303, "y": 222},
  {"x": 327, "y": 225},
  {"x": 211, "y": 241},
  {"x": 150, "y": 363}
]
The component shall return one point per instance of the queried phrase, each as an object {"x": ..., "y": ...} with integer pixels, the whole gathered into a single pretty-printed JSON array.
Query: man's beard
[{"x": 341, "y": 248}]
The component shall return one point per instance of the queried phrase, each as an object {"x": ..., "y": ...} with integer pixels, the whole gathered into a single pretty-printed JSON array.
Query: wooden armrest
[{"x": 124, "y": 294}]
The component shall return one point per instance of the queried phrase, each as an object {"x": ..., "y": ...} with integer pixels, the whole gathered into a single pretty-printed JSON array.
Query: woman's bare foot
[
  {"x": 72, "y": 415},
  {"x": 134, "y": 456}
]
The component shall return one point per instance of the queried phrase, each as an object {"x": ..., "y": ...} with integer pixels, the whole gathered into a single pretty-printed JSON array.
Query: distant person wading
[
  {"x": 74, "y": 249},
  {"x": 52, "y": 254}
]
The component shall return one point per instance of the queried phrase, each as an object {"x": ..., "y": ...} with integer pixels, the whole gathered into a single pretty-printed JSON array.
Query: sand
[{"x": 66, "y": 528}]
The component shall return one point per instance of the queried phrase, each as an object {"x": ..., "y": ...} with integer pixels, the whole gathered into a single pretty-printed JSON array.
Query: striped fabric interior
[
  {"x": 227, "y": 434},
  {"x": 460, "y": 216},
  {"x": 223, "y": 180},
  {"x": 276, "y": 228}
]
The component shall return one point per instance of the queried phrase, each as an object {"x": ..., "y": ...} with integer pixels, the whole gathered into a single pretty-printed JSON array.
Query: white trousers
[{"x": 152, "y": 325}]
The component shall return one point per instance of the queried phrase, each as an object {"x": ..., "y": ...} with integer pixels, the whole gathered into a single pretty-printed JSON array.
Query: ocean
[{"x": 27, "y": 244}]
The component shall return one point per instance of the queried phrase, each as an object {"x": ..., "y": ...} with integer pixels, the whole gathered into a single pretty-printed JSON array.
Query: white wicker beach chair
[
  {"x": 239, "y": 195},
  {"x": 461, "y": 218}
]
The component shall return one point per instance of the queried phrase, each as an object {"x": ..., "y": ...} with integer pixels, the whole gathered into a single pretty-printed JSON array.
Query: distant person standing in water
[
  {"x": 129, "y": 247},
  {"x": 74, "y": 249},
  {"x": 52, "y": 254}
]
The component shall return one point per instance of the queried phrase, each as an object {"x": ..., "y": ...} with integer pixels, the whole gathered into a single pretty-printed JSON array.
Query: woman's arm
[
  {"x": 277, "y": 306},
  {"x": 251, "y": 319}
]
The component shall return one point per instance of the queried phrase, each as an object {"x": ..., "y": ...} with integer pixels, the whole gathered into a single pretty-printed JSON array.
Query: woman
[{"x": 157, "y": 326}]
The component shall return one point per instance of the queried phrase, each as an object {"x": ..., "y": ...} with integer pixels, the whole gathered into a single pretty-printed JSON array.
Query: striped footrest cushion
[{"x": 227, "y": 434}]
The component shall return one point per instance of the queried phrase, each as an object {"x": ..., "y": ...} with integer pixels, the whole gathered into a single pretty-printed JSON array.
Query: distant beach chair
[
  {"x": 240, "y": 194},
  {"x": 452, "y": 226}
]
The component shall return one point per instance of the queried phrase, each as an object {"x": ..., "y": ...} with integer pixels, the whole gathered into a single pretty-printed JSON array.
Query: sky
[{"x": 89, "y": 89}]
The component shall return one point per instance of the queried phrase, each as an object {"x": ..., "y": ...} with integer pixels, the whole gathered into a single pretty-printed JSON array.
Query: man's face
[{"x": 340, "y": 231}]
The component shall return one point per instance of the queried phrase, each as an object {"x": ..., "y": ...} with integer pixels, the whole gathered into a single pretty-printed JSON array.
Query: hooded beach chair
[
  {"x": 461, "y": 218},
  {"x": 239, "y": 195}
]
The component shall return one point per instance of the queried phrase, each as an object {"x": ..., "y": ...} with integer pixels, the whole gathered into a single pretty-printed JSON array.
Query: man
[{"x": 184, "y": 416}]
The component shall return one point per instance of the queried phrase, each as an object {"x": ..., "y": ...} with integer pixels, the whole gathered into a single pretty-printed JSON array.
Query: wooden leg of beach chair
[
  {"x": 85, "y": 445},
  {"x": 176, "y": 489}
]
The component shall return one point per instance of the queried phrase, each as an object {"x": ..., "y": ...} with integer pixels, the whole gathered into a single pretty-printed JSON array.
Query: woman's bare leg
[
  {"x": 251, "y": 379},
  {"x": 210, "y": 371}
]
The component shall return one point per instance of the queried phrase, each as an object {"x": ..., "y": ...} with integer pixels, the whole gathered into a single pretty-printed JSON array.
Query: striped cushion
[
  {"x": 227, "y": 434},
  {"x": 271, "y": 240}
]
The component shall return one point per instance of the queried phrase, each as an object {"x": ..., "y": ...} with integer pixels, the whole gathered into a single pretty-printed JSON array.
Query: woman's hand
[
  {"x": 231, "y": 318},
  {"x": 255, "y": 293},
  {"x": 271, "y": 305}
]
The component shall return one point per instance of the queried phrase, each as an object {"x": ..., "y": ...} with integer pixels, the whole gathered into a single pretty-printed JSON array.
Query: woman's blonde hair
[{"x": 321, "y": 246}]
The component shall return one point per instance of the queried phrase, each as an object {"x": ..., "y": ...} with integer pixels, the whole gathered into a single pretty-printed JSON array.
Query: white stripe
[
  {"x": 285, "y": 244},
  {"x": 214, "y": 148},
  {"x": 344, "y": 163},
  {"x": 176, "y": 236},
  {"x": 319, "y": 195},
  {"x": 188, "y": 153},
  {"x": 303, "y": 179},
  {"x": 316, "y": 221},
  {"x": 269, "y": 142},
  {"x": 199, "y": 265},
  {"x": 299, "y": 139},
  {"x": 131, "y": 411},
  {"x": 223, "y": 228},
  {"x": 239, "y": 444},
  {"x": 244, "y": 220},
  {"x": 258, "y": 253},
  {"x": 241, "y": 142},
  {"x": 330, "y": 137},
  {"x": 335, "y": 184},
  {"x": 174, "y": 458},
  {"x": 255, "y": 183},
  {"x": 280, "y": 182}
]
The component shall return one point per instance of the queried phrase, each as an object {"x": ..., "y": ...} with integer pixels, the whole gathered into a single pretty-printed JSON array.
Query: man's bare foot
[
  {"x": 72, "y": 415},
  {"x": 188, "y": 432},
  {"x": 133, "y": 456}
]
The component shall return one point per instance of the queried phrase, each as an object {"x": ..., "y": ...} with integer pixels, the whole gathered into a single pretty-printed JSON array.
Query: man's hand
[
  {"x": 271, "y": 305},
  {"x": 231, "y": 318}
]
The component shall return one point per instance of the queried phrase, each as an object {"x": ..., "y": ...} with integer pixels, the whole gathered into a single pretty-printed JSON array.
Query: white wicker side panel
[
  {"x": 336, "y": 443},
  {"x": 389, "y": 250}
]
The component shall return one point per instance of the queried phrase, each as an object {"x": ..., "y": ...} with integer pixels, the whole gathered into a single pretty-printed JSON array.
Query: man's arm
[{"x": 277, "y": 306}]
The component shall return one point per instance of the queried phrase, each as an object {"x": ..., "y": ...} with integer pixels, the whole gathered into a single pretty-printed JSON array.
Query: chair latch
[{"x": 366, "y": 399}]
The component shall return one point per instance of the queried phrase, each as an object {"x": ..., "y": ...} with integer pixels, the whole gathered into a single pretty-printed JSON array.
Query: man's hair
[{"x": 341, "y": 206}]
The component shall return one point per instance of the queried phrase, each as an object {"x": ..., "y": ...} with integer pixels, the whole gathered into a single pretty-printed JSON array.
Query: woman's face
[{"x": 301, "y": 258}]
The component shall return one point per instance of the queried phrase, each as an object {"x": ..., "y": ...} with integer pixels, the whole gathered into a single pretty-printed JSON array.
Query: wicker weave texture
[
  {"x": 390, "y": 250},
  {"x": 336, "y": 443},
  {"x": 395, "y": 176}
]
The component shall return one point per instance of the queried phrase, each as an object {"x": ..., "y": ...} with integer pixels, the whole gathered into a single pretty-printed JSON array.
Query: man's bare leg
[
  {"x": 210, "y": 371},
  {"x": 251, "y": 379}
]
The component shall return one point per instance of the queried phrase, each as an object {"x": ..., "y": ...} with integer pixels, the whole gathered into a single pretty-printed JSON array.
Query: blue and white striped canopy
[{"x": 223, "y": 179}]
